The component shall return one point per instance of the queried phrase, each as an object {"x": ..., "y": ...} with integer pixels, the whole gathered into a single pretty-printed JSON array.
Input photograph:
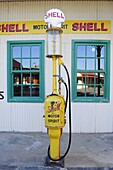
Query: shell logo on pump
[
  {"x": 54, "y": 111},
  {"x": 54, "y": 18}
]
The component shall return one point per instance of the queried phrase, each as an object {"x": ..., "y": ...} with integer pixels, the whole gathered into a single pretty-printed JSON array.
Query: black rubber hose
[
  {"x": 66, "y": 100},
  {"x": 69, "y": 144}
]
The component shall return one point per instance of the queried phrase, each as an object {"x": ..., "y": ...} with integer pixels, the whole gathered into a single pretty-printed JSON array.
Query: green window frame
[
  {"x": 25, "y": 71},
  {"x": 90, "y": 70}
]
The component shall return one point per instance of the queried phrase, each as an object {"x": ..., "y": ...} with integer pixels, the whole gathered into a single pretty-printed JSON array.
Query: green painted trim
[
  {"x": 106, "y": 97},
  {"x": 108, "y": 71},
  {"x": 10, "y": 97}
]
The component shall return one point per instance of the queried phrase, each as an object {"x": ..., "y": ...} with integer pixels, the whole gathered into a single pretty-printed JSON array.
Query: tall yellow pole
[
  {"x": 54, "y": 133},
  {"x": 54, "y": 88}
]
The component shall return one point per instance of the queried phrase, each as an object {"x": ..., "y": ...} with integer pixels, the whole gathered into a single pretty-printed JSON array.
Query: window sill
[
  {"x": 26, "y": 99},
  {"x": 93, "y": 100}
]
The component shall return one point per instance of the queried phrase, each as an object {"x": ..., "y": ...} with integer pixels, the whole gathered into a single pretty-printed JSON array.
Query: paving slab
[{"x": 27, "y": 151}]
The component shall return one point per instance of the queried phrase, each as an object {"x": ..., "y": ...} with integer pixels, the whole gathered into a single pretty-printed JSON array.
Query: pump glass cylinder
[{"x": 54, "y": 42}]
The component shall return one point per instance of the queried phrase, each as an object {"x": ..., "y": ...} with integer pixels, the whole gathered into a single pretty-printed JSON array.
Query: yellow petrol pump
[{"x": 55, "y": 105}]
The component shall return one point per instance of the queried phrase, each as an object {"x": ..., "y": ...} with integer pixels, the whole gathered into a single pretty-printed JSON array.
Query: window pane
[
  {"x": 102, "y": 64},
  {"x": 100, "y": 84},
  {"x": 102, "y": 75},
  {"x": 89, "y": 78},
  {"x": 17, "y": 78},
  {"x": 99, "y": 91},
  {"x": 35, "y": 51},
  {"x": 90, "y": 64},
  {"x": 35, "y": 84},
  {"x": 17, "y": 90},
  {"x": 90, "y": 91},
  {"x": 102, "y": 52},
  {"x": 26, "y": 90},
  {"x": 16, "y": 64},
  {"x": 26, "y": 78},
  {"x": 16, "y": 52},
  {"x": 80, "y": 89},
  {"x": 80, "y": 85},
  {"x": 35, "y": 65},
  {"x": 35, "y": 90},
  {"x": 79, "y": 76},
  {"x": 25, "y": 51},
  {"x": 90, "y": 51},
  {"x": 100, "y": 78},
  {"x": 80, "y": 64},
  {"x": 35, "y": 78},
  {"x": 99, "y": 64},
  {"x": 80, "y": 51},
  {"x": 26, "y": 64}
]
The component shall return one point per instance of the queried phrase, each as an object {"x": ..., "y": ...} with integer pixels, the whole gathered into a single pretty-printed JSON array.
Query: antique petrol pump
[{"x": 55, "y": 105}]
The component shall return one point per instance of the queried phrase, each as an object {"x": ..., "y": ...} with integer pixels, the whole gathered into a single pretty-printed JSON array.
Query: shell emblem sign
[{"x": 54, "y": 18}]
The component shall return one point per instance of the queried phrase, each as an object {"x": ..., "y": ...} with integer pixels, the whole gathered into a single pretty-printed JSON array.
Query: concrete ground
[{"x": 27, "y": 151}]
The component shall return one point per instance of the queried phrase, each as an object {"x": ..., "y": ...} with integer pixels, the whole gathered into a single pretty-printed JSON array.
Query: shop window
[
  {"x": 90, "y": 71},
  {"x": 25, "y": 74}
]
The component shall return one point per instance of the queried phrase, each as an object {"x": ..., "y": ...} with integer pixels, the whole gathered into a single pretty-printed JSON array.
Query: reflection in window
[
  {"x": 35, "y": 78},
  {"x": 26, "y": 79},
  {"x": 16, "y": 64},
  {"x": 90, "y": 75},
  {"x": 35, "y": 64},
  {"x": 90, "y": 83},
  {"x": 26, "y": 64},
  {"x": 90, "y": 91},
  {"x": 90, "y": 51},
  {"x": 17, "y": 91},
  {"x": 26, "y": 67},
  {"x": 17, "y": 78}
]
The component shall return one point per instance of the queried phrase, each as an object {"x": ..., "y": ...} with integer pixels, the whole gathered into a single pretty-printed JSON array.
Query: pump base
[{"x": 48, "y": 162}]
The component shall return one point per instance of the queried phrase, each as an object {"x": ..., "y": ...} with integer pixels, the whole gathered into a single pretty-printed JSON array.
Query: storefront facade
[{"x": 26, "y": 73}]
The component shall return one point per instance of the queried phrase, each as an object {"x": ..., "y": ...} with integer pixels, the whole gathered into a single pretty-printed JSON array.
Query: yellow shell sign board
[
  {"x": 69, "y": 27},
  {"x": 89, "y": 27}
]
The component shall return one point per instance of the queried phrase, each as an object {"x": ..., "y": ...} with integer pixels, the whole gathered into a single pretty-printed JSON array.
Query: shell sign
[
  {"x": 68, "y": 27},
  {"x": 54, "y": 18}
]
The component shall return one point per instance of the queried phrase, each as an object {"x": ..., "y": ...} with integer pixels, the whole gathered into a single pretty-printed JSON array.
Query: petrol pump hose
[{"x": 68, "y": 91}]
